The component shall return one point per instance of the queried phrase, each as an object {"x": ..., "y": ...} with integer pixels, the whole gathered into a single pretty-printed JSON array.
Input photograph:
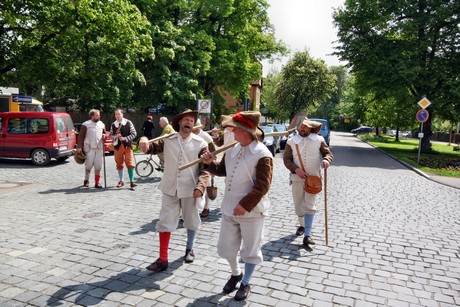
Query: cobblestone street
[{"x": 394, "y": 240}]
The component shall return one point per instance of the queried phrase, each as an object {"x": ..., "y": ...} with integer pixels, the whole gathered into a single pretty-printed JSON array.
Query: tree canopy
[
  {"x": 401, "y": 48},
  {"x": 305, "y": 84},
  {"x": 133, "y": 53}
]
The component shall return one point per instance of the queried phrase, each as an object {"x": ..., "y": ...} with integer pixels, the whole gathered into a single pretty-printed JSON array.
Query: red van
[{"x": 39, "y": 136}]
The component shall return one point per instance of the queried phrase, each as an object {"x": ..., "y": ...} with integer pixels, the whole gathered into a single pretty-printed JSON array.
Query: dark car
[
  {"x": 284, "y": 138},
  {"x": 362, "y": 130},
  {"x": 108, "y": 148},
  {"x": 272, "y": 143},
  {"x": 325, "y": 131}
]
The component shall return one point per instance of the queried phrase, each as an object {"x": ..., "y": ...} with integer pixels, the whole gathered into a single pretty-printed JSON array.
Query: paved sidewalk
[{"x": 393, "y": 240}]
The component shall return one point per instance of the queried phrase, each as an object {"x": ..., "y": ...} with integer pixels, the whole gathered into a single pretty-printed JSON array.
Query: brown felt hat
[
  {"x": 248, "y": 121},
  {"x": 79, "y": 157},
  {"x": 314, "y": 126},
  {"x": 178, "y": 117}
]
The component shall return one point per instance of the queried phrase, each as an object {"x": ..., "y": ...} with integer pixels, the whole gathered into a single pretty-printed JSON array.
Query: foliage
[
  {"x": 305, "y": 84},
  {"x": 404, "y": 49},
  {"x": 136, "y": 53},
  {"x": 268, "y": 97},
  {"x": 204, "y": 45},
  {"x": 82, "y": 51},
  {"x": 329, "y": 109},
  {"x": 441, "y": 160}
]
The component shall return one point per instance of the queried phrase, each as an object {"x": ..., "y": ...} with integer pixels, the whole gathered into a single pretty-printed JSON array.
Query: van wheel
[{"x": 40, "y": 157}]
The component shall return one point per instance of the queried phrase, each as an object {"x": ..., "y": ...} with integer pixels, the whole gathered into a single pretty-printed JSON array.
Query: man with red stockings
[
  {"x": 182, "y": 190},
  {"x": 91, "y": 141}
]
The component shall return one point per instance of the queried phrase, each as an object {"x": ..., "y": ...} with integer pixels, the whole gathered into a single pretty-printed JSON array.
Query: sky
[{"x": 304, "y": 25}]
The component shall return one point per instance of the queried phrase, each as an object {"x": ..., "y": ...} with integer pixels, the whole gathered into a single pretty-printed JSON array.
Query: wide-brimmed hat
[
  {"x": 314, "y": 126},
  {"x": 178, "y": 117},
  {"x": 79, "y": 157},
  {"x": 248, "y": 121}
]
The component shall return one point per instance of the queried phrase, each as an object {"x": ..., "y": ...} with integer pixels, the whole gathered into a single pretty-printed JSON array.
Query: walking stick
[
  {"x": 325, "y": 205},
  {"x": 105, "y": 177}
]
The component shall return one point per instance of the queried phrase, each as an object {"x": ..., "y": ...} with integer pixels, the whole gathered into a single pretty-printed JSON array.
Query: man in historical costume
[
  {"x": 304, "y": 155},
  {"x": 182, "y": 190},
  {"x": 91, "y": 142},
  {"x": 248, "y": 167},
  {"x": 123, "y": 133}
]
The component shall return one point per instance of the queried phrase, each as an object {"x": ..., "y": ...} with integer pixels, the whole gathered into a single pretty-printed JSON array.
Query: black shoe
[
  {"x": 160, "y": 169},
  {"x": 132, "y": 185},
  {"x": 98, "y": 185},
  {"x": 86, "y": 183},
  {"x": 158, "y": 266},
  {"x": 189, "y": 256},
  {"x": 242, "y": 292},
  {"x": 300, "y": 231},
  {"x": 308, "y": 241},
  {"x": 232, "y": 282}
]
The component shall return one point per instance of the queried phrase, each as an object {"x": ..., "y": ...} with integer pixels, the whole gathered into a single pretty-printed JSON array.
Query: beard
[{"x": 304, "y": 133}]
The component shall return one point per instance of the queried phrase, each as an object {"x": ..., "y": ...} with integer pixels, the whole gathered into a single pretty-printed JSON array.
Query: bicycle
[{"x": 144, "y": 168}]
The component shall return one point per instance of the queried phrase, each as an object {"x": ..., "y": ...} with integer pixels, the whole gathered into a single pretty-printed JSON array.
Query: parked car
[
  {"x": 272, "y": 143},
  {"x": 325, "y": 131},
  {"x": 284, "y": 138},
  {"x": 362, "y": 130},
  {"x": 391, "y": 132},
  {"x": 39, "y": 136},
  {"x": 406, "y": 134},
  {"x": 108, "y": 148}
]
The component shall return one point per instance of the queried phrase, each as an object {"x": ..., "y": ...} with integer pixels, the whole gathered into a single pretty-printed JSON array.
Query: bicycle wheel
[{"x": 144, "y": 168}]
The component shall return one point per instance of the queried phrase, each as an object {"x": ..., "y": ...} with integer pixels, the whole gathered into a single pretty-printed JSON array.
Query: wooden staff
[
  {"x": 105, "y": 175},
  {"x": 168, "y": 135},
  {"x": 325, "y": 205},
  {"x": 226, "y": 147},
  {"x": 215, "y": 153}
]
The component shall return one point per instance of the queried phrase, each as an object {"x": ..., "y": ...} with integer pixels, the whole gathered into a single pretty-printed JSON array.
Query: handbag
[
  {"x": 313, "y": 184},
  {"x": 212, "y": 190}
]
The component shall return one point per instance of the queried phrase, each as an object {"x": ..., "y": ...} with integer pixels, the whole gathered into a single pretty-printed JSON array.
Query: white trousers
[
  {"x": 170, "y": 212},
  {"x": 304, "y": 202},
  {"x": 94, "y": 159},
  {"x": 245, "y": 234}
]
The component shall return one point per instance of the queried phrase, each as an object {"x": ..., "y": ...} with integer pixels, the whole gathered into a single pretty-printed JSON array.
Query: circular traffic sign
[{"x": 422, "y": 115}]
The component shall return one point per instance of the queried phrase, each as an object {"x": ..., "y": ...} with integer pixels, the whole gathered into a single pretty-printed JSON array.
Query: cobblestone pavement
[{"x": 393, "y": 240}]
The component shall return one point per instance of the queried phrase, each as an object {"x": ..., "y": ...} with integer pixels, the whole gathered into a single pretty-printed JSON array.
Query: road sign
[
  {"x": 424, "y": 103},
  {"x": 422, "y": 115},
  {"x": 21, "y": 99},
  {"x": 204, "y": 106}
]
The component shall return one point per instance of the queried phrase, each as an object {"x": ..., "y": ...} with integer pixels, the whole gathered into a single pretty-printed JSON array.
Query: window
[{"x": 27, "y": 125}]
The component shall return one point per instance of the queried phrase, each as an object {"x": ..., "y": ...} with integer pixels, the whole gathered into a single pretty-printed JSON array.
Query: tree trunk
[{"x": 426, "y": 145}]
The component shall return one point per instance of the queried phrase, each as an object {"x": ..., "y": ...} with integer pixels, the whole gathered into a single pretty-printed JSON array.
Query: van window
[
  {"x": 27, "y": 125},
  {"x": 60, "y": 125},
  {"x": 69, "y": 124}
]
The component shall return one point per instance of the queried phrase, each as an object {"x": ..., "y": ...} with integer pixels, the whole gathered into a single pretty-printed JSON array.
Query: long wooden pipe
[{"x": 227, "y": 147}]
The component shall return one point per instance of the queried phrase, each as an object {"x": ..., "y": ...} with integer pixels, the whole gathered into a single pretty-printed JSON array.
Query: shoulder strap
[{"x": 300, "y": 157}]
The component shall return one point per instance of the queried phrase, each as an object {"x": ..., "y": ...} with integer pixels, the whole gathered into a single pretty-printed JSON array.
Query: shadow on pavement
[{"x": 94, "y": 293}]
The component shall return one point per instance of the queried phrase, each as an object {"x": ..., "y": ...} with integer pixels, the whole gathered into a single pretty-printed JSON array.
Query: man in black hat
[{"x": 182, "y": 190}]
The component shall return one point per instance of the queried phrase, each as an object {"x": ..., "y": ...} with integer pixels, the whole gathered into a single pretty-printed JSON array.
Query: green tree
[
  {"x": 204, "y": 45},
  {"x": 305, "y": 84},
  {"x": 268, "y": 97},
  {"x": 400, "y": 47},
  {"x": 76, "y": 51}
]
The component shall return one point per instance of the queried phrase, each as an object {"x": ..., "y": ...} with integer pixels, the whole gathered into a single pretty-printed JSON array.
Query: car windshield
[
  {"x": 267, "y": 129},
  {"x": 280, "y": 128}
]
